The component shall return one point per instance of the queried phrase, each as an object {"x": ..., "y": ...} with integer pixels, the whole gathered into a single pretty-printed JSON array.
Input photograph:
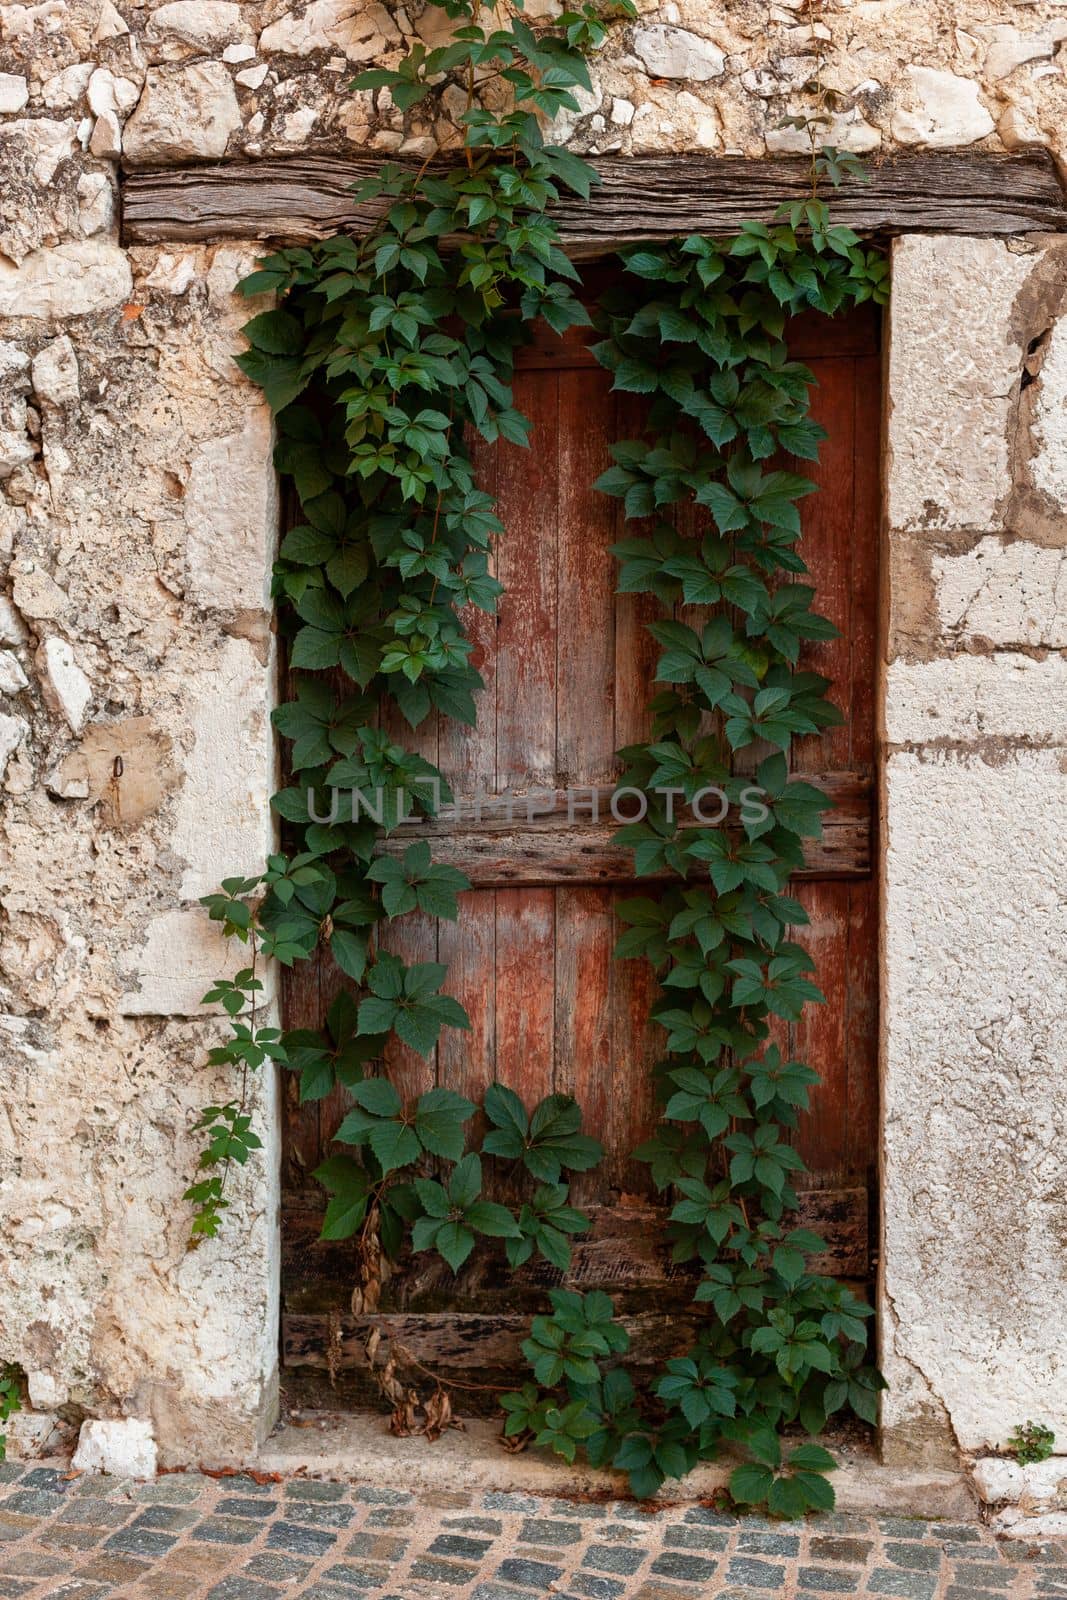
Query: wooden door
[{"x": 567, "y": 665}]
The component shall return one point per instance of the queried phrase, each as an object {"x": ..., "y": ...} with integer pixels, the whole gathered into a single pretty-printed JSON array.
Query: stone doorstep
[{"x": 359, "y": 1447}]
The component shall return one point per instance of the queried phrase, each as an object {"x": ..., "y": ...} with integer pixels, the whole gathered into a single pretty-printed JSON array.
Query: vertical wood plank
[
  {"x": 826, "y": 546},
  {"x": 525, "y": 983},
  {"x": 584, "y": 1061},
  {"x": 467, "y": 756},
  {"x": 636, "y": 1047},
  {"x": 819, "y": 1038},
  {"x": 585, "y": 636},
  {"x": 527, "y": 556},
  {"x": 467, "y": 1061}
]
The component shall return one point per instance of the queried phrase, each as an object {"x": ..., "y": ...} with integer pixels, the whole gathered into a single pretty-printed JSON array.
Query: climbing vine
[{"x": 386, "y": 355}]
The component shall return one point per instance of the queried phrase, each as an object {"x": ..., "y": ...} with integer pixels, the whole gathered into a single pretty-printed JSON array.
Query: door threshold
[{"x": 358, "y": 1447}]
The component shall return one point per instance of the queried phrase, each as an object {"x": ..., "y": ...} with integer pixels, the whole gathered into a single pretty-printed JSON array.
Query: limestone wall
[
  {"x": 137, "y": 514},
  {"x": 974, "y": 1284},
  {"x": 199, "y": 79}
]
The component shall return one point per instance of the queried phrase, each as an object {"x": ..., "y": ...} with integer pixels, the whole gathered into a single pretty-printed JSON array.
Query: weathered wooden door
[{"x": 567, "y": 666}]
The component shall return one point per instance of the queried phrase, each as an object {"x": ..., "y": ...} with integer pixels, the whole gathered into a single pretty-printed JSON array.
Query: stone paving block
[
  {"x": 173, "y": 1489},
  {"x": 31, "y": 1564},
  {"x": 166, "y": 1519},
  {"x": 548, "y": 1530},
  {"x": 92, "y": 1512},
  {"x": 679, "y": 1564},
  {"x": 613, "y": 1558},
  {"x": 373, "y": 1494},
  {"x": 959, "y": 1533},
  {"x": 906, "y": 1528},
  {"x": 376, "y": 1546},
  {"x": 504, "y": 1500},
  {"x": 329, "y": 1591},
  {"x": 360, "y": 1574},
  {"x": 708, "y": 1517},
  {"x": 312, "y": 1514},
  {"x": 446, "y": 1499},
  {"x": 982, "y": 1575},
  {"x": 437, "y": 1570},
  {"x": 31, "y": 1503},
  {"x": 905, "y": 1585},
  {"x": 240, "y": 1506},
  {"x": 313, "y": 1489},
  {"x": 140, "y": 1542},
  {"x": 761, "y": 1543},
  {"x": 460, "y": 1545},
  {"x": 594, "y": 1587},
  {"x": 831, "y": 1548},
  {"x": 164, "y": 1584},
  {"x": 103, "y": 1484},
  {"x": 264, "y": 1541},
  {"x": 490, "y": 1525},
  {"x": 47, "y": 1478},
  {"x": 14, "y": 1527},
  {"x": 272, "y": 1564},
  {"x": 829, "y": 1580},
  {"x": 228, "y": 1530},
  {"x": 112, "y": 1567},
  {"x": 296, "y": 1538},
  {"x": 615, "y": 1533},
  {"x": 390, "y": 1517},
  {"x": 60, "y": 1536},
  {"x": 652, "y": 1590},
  {"x": 241, "y": 1588},
  {"x": 10, "y": 1471},
  {"x": 529, "y": 1574},
  {"x": 681, "y": 1537},
  {"x": 921, "y": 1557}
]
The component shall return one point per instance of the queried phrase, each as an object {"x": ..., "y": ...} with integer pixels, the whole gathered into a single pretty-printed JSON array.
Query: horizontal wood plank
[
  {"x": 558, "y": 838},
  {"x": 467, "y": 1343},
  {"x": 625, "y": 1253},
  {"x": 640, "y": 198}
]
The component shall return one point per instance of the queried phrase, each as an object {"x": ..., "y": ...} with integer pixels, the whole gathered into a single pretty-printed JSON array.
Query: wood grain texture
[
  {"x": 625, "y": 1253},
  {"x": 568, "y": 670},
  {"x": 304, "y": 197},
  {"x": 545, "y": 846}
]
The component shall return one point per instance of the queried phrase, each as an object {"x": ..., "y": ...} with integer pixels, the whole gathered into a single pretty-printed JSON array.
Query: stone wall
[
  {"x": 137, "y": 512},
  {"x": 974, "y": 1281},
  {"x": 200, "y": 79},
  {"x": 137, "y": 515}
]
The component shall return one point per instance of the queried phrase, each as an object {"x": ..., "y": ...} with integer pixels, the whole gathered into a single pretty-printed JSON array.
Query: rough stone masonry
[{"x": 138, "y": 511}]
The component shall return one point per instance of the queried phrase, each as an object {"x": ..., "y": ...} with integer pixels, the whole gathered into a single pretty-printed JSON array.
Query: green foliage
[
  {"x": 11, "y": 1378},
  {"x": 384, "y": 357},
  {"x": 1031, "y": 1442}
]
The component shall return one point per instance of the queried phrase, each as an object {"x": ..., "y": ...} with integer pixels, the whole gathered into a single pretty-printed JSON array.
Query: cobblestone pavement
[{"x": 189, "y": 1537}]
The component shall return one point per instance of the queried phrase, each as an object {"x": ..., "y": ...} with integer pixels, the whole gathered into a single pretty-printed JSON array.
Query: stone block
[
  {"x": 124, "y": 1449},
  {"x": 678, "y": 53},
  {"x": 182, "y": 955},
  {"x": 1039, "y": 1484},
  {"x": 71, "y": 280},
  {"x": 1005, "y": 593},
  {"x": 232, "y": 515},
  {"x": 946, "y": 111},
  {"x": 973, "y": 1294},
  {"x": 184, "y": 114},
  {"x": 952, "y": 375}
]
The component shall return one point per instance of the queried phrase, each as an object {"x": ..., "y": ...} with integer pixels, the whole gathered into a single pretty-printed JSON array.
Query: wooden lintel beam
[
  {"x": 640, "y": 198},
  {"x": 568, "y": 837}
]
